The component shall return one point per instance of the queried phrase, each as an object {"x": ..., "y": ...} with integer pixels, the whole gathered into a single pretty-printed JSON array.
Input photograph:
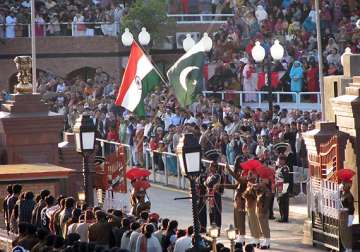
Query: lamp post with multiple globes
[{"x": 259, "y": 55}]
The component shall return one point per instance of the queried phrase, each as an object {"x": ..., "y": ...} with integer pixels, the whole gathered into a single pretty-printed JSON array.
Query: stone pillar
[
  {"x": 347, "y": 111},
  {"x": 28, "y": 132}
]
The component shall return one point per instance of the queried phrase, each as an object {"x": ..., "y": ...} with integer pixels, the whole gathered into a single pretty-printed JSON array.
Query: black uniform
[
  {"x": 215, "y": 205},
  {"x": 282, "y": 190},
  {"x": 202, "y": 190}
]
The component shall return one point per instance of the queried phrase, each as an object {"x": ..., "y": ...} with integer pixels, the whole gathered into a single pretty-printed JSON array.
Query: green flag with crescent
[{"x": 186, "y": 75}]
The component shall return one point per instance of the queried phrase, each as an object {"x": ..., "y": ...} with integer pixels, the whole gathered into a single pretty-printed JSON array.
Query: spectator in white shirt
[{"x": 185, "y": 242}]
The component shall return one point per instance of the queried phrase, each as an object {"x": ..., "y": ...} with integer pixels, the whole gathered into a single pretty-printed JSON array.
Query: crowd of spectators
[
  {"x": 55, "y": 17},
  {"x": 292, "y": 22},
  {"x": 43, "y": 223}
]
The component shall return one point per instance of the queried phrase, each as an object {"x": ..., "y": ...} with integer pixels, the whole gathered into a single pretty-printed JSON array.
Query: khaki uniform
[
  {"x": 263, "y": 205},
  {"x": 239, "y": 208},
  {"x": 250, "y": 196}
]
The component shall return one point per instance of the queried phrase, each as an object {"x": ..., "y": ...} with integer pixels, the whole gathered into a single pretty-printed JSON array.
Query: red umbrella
[
  {"x": 251, "y": 165},
  {"x": 137, "y": 172},
  {"x": 345, "y": 174}
]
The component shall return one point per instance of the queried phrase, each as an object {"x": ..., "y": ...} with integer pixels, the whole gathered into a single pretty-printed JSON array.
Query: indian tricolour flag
[{"x": 139, "y": 79}]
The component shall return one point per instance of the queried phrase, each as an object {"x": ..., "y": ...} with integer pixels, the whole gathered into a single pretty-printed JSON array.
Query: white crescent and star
[{"x": 183, "y": 75}]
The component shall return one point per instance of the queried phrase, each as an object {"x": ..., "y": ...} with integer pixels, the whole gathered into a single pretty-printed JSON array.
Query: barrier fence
[
  {"x": 89, "y": 29},
  {"x": 165, "y": 168},
  {"x": 289, "y": 100}
]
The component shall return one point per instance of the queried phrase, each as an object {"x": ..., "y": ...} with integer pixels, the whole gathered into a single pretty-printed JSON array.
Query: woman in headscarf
[
  {"x": 260, "y": 14},
  {"x": 296, "y": 76}
]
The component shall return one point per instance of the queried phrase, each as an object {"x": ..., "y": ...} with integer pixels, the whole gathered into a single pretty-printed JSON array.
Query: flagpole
[
  {"x": 33, "y": 47},
  {"x": 166, "y": 82}
]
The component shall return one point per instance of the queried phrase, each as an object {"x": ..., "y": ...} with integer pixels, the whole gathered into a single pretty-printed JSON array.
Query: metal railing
[
  {"x": 79, "y": 29},
  {"x": 169, "y": 173},
  {"x": 289, "y": 100},
  {"x": 201, "y": 18}
]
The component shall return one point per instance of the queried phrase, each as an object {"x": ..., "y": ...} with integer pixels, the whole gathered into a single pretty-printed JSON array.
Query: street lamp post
[
  {"x": 259, "y": 55},
  {"x": 188, "y": 152},
  {"x": 127, "y": 38},
  {"x": 84, "y": 130},
  {"x": 213, "y": 233},
  {"x": 231, "y": 235}
]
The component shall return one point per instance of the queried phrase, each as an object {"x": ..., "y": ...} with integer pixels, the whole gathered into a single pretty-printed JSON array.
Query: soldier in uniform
[
  {"x": 239, "y": 201},
  {"x": 282, "y": 181},
  {"x": 251, "y": 197},
  {"x": 263, "y": 192},
  {"x": 347, "y": 201},
  {"x": 214, "y": 193},
  {"x": 202, "y": 190}
]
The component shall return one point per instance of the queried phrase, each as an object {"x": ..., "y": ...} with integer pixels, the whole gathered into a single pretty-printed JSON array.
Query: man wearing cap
[
  {"x": 347, "y": 201},
  {"x": 282, "y": 181},
  {"x": 263, "y": 192},
  {"x": 214, "y": 191}
]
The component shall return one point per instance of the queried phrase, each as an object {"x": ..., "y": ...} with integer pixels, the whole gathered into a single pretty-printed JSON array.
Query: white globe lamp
[
  {"x": 277, "y": 50},
  {"x": 127, "y": 38},
  {"x": 347, "y": 51},
  {"x": 206, "y": 40},
  {"x": 258, "y": 52},
  {"x": 144, "y": 37},
  {"x": 188, "y": 42}
]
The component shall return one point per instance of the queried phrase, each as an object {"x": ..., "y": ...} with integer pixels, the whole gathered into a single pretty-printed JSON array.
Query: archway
[{"x": 83, "y": 73}]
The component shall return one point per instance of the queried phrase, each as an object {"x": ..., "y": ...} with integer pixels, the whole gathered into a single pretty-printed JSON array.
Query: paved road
[{"x": 285, "y": 237}]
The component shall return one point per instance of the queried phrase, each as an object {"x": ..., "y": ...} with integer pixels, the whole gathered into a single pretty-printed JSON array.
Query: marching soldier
[
  {"x": 202, "y": 190},
  {"x": 282, "y": 180},
  {"x": 239, "y": 200},
  {"x": 263, "y": 193},
  {"x": 214, "y": 193},
  {"x": 250, "y": 197}
]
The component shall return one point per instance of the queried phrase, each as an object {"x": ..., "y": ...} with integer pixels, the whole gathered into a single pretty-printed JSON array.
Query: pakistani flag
[
  {"x": 186, "y": 75},
  {"x": 139, "y": 79}
]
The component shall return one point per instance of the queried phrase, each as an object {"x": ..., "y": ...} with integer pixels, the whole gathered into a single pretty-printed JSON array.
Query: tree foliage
[{"x": 151, "y": 14}]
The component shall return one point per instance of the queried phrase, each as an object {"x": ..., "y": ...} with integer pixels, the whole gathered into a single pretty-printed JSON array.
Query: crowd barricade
[
  {"x": 165, "y": 168},
  {"x": 201, "y": 18},
  {"x": 74, "y": 29},
  {"x": 289, "y": 100}
]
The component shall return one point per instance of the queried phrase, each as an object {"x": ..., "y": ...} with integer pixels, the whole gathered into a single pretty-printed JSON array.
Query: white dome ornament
[
  {"x": 347, "y": 51},
  {"x": 206, "y": 40},
  {"x": 144, "y": 37},
  {"x": 188, "y": 42},
  {"x": 258, "y": 52},
  {"x": 277, "y": 50},
  {"x": 127, "y": 38}
]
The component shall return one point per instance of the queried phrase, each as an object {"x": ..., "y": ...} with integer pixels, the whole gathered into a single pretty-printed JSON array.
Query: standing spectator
[
  {"x": 45, "y": 220},
  {"x": 169, "y": 238},
  {"x": 36, "y": 214},
  {"x": 185, "y": 242},
  {"x": 78, "y": 25},
  {"x": 146, "y": 242},
  {"x": 83, "y": 227},
  {"x": 133, "y": 236},
  {"x": 39, "y": 26},
  {"x": 10, "y": 24},
  {"x": 66, "y": 214},
  {"x": 26, "y": 207},
  {"x": 100, "y": 232},
  {"x": 296, "y": 76},
  {"x": 11, "y": 202},
  {"x": 249, "y": 82},
  {"x": 5, "y": 207}
]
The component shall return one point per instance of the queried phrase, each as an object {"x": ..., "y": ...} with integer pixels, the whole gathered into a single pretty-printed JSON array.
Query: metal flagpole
[
  {"x": 33, "y": 46},
  {"x": 320, "y": 59}
]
